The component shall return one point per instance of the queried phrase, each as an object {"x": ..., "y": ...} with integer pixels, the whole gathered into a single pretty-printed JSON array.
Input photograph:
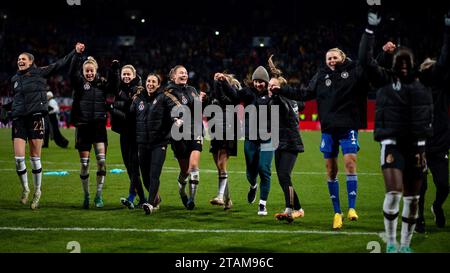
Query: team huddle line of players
[{"x": 411, "y": 124}]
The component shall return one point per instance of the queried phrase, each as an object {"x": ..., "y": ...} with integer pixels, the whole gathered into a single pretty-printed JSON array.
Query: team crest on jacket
[
  {"x": 327, "y": 82},
  {"x": 87, "y": 86},
  {"x": 184, "y": 100},
  {"x": 155, "y": 101},
  {"x": 15, "y": 85},
  {"x": 141, "y": 106},
  {"x": 344, "y": 75}
]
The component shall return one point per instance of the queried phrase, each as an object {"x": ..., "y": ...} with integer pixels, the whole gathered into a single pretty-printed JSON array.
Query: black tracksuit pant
[
  {"x": 438, "y": 165},
  {"x": 129, "y": 149},
  {"x": 151, "y": 161},
  {"x": 284, "y": 164}
]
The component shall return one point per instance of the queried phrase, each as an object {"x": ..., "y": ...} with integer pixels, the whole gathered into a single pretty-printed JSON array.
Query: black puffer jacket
[
  {"x": 122, "y": 121},
  {"x": 223, "y": 95},
  {"x": 153, "y": 121},
  {"x": 289, "y": 134},
  {"x": 341, "y": 96},
  {"x": 438, "y": 79},
  {"x": 185, "y": 95},
  {"x": 30, "y": 87},
  {"x": 251, "y": 96},
  {"x": 403, "y": 109},
  {"x": 89, "y": 98}
]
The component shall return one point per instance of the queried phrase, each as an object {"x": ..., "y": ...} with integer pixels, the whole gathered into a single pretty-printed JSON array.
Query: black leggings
[
  {"x": 438, "y": 165},
  {"x": 129, "y": 149},
  {"x": 284, "y": 164},
  {"x": 151, "y": 161}
]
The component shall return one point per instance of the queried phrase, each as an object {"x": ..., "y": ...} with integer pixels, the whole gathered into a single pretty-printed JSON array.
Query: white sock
[
  {"x": 262, "y": 202},
  {"x": 390, "y": 208},
  {"x": 226, "y": 194},
  {"x": 409, "y": 218},
  {"x": 288, "y": 210},
  {"x": 84, "y": 174},
  {"x": 21, "y": 169},
  {"x": 193, "y": 182},
  {"x": 223, "y": 180},
  {"x": 101, "y": 173},
  {"x": 37, "y": 173},
  {"x": 182, "y": 184}
]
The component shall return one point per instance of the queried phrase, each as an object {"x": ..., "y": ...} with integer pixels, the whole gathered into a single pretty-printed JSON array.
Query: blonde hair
[
  {"x": 276, "y": 72},
  {"x": 131, "y": 67},
  {"x": 173, "y": 70},
  {"x": 91, "y": 60},
  {"x": 340, "y": 52},
  {"x": 231, "y": 79}
]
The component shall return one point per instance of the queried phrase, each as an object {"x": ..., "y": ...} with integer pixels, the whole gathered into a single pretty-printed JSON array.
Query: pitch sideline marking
[
  {"x": 176, "y": 170},
  {"x": 171, "y": 230}
]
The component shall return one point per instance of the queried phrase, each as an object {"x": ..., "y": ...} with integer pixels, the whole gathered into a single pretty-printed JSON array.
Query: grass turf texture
[{"x": 237, "y": 230}]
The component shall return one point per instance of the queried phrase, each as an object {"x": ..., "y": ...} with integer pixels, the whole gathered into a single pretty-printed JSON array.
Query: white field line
[
  {"x": 174, "y": 170},
  {"x": 162, "y": 230}
]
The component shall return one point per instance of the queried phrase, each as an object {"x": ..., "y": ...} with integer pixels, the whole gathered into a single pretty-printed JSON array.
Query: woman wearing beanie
[
  {"x": 289, "y": 146},
  {"x": 258, "y": 152},
  {"x": 89, "y": 117},
  {"x": 124, "y": 123}
]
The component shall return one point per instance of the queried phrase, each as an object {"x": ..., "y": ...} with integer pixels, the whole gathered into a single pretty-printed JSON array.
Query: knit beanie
[{"x": 260, "y": 74}]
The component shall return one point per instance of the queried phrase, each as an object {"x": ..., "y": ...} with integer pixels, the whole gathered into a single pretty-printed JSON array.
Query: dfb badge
[
  {"x": 15, "y": 85},
  {"x": 344, "y": 75},
  {"x": 327, "y": 82},
  {"x": 87, "y": 86},
  {"x": 141, "y": 106},
  {"x": 184, "y": 99}
]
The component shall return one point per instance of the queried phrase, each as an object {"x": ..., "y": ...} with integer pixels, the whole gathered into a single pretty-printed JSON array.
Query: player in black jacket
[
  {"x": 223, "y": 94},
  {"x": 89, "y": 110},
  {"x": 153, "y": 124},
  {"x": 403, "y": 122},
  {"x": 340, "y": 89},
  {"x": 188, "y": 145},
  {"x": 28, "y": 108},
  {"x": 436, "y": 76},
  {"x": 289, "y": 147},
  {"x": 124, "y": 123}
]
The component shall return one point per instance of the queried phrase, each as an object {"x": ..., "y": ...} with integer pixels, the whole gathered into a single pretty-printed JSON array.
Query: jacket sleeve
[
  {"x": 385, "y": 59},
  {"x": 301, "y": 94},
  {"x": 230, "y": 92},
  {"x": 75, "y": 70},
  {"x": 51, "y": 69},
  {"x": 113, "y": 81},
  {"x": 246, "y": 95},
  {"x": 171, "y": 102},
  {"x": 377, "y": 75},
  {"x": 442, "y": 67}
]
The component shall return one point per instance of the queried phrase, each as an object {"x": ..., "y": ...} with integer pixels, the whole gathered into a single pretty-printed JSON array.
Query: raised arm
[
  {"x": 113, "y": 80},
  {"x": 378, "y": 75},
  {"x": 444, "y": 59},
  {"x": 298, "y": 94},
  {"x": 53, "y": 68},
  {"x": 75, "y": 69}
]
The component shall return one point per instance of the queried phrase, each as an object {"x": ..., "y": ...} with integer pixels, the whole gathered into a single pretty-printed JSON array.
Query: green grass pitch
[{"x": 207, "y": 228}]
